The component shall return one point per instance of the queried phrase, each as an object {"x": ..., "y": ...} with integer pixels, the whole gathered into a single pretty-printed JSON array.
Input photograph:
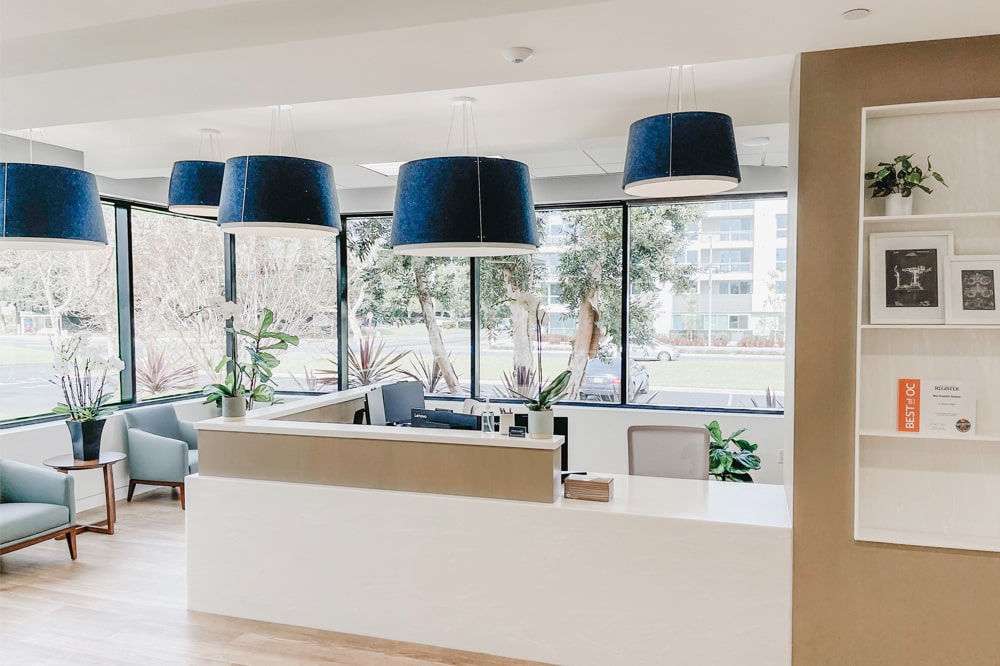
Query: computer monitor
[
  {"x": 400, "y": 399},
  {"x": 432, "y": 418}
]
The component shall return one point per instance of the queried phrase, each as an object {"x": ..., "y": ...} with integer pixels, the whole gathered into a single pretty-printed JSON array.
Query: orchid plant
[{"x": 83, "y": 377}]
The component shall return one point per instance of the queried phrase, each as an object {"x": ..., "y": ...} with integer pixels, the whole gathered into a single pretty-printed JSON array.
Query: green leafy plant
[
  {"x": 549, "y": 394},
  {"x": 901, "y": 176},
  {"x": 82, "y": 378},
  {"x": 252, "y": 379},
  {"x": 727, "y": 464}
]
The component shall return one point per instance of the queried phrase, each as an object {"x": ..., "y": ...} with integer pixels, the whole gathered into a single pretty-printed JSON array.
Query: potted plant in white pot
[
  {"x": 895, "y": 181},
  {"x": 83, "y": 378},
  {"x": 252, "y": 380},
  {"x": 540, "y": 419}
]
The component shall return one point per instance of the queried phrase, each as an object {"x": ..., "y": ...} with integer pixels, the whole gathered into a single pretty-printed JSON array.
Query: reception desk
[{"x": 669, "y": 572}]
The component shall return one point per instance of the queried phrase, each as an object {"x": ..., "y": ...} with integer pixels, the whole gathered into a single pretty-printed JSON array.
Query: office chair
[{"x": 674, "y": 452}]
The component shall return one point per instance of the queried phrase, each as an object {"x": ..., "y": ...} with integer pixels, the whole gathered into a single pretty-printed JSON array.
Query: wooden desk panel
[{"x": 498, "y": 472}]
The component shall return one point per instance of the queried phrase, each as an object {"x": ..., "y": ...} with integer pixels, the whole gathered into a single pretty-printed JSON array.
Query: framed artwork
[
  {"x": 907, "y": 277},
  {"x": 972, "y": 290}
]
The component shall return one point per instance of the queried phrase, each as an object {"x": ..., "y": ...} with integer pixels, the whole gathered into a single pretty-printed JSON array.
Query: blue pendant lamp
[
  {"x": 464, "y": 206},
  {"x": 687, "y": 153},
  {"x": 49, "y": 208},
  {"x": 195, "y": 185},
  {"x": 270, "y": 195}
]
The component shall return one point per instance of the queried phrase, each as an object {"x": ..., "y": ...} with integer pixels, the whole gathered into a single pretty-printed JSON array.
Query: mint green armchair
[
  {"x": 162, "y": 449},
  {"x": 36, "y": 505}
]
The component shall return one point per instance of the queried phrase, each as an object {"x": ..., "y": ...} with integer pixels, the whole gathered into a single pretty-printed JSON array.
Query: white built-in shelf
[
  {"x": 872, "y": 432},
  {"x": 930, "y": 540},
  {"x": 934, "y": 327},
  {"x": 933, "y": 217}
]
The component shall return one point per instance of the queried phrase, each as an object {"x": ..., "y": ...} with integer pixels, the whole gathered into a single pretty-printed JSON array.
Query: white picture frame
[
  {"x": 972, "y": 297},
  {"x": 908, "y": 276}
]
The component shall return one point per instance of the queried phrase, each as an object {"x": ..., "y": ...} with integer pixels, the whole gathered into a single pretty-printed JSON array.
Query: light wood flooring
[{"x": 123, "y": 602}]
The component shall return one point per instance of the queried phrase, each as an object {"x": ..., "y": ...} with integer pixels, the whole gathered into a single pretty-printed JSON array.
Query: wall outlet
[{"x": 781, "y": 456}]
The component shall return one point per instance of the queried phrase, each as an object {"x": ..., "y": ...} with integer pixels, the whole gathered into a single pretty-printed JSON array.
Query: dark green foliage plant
[
  {"x": 901, "y": 176},
  {"x": 731, "y": 458}
]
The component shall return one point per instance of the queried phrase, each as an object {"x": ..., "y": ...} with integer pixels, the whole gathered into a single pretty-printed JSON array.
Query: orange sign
[{"x": 908, "y": 406}]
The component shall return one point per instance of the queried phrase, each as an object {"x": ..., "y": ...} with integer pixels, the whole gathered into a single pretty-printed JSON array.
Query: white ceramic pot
[
  {"x": 540, "y": 424},
  {"x": 896, "y": 204},
  {"x": 234, "y": 409}
]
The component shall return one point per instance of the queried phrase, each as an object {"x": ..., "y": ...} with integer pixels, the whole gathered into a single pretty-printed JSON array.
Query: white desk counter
[{"x": 670, "y": 572}]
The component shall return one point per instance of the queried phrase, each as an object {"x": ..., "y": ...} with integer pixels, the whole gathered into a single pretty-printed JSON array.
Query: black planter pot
[{"x": 86, "y": 436}]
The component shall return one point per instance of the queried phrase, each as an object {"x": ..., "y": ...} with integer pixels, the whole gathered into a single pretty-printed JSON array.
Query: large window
[
  {"x": 699, "y": 337},
  {"x": 409, "y": 316},
  {"x": 706, "y": 307},
  {"x": 564, "y": 302},
  {"x": 177, "y": 266},
  {"x": 44, "y": 296},
  {"x": 297, "y": 280}
]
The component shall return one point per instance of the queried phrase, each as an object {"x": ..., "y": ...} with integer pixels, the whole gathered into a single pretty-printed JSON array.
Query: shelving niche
[{"x": 919, "y": 489}]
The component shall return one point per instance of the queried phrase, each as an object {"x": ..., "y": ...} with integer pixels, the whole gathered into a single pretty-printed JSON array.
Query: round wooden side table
[{"x": 67, "y": 464}]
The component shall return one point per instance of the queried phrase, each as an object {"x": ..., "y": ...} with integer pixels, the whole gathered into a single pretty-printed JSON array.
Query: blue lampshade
[
  {"x": 50, "y": 208},
  {"x": 691, "y": 153},
  {"x": 464, "y": 206},
  {"x": 195, "y": 187},
  {"x": 269, "y": 195}
]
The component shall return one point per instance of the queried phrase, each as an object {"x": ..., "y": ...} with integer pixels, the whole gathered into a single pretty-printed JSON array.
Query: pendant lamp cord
[
  {"x": 468, "y": 122},
  {"x": 275, "y": 140},
  {"x": 479, "y": 179}
]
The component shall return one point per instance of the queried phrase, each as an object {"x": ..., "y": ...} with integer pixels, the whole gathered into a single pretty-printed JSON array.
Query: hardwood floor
[{"x": 123, "y": 602}]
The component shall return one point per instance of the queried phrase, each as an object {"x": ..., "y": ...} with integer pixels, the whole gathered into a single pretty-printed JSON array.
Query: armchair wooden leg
[
  {"x": 71, "y": 542},
  {"x": 182, "y": 497},
  {"x": 131, "y": 489}
]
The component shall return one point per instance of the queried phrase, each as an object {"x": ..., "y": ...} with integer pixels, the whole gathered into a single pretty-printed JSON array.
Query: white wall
[
  {"x": 598, "y": 436},
  {"x": 36, "y": 443}
]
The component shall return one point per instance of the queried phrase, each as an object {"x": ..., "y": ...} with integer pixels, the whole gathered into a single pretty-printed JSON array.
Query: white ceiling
[{"x": 130, "y": 83}]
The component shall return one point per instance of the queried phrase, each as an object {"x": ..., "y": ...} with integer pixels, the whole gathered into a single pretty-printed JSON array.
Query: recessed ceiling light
[
  {"x": 856, "y": 14},
  {"x": 392, "y": 168},
  {"x": 757, "y": 141},
  {"x": 384, "y": 168}
]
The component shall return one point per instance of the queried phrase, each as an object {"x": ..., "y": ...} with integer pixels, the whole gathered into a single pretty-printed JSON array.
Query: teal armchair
[
  {"x": 162, "y": 449},
  {"x": 36, "y": 505}
]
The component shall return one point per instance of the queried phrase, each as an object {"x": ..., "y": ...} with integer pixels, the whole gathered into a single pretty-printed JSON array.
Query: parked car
[
  {"x": 655, "y": 352},
  {"x": 602, "y": 381}
]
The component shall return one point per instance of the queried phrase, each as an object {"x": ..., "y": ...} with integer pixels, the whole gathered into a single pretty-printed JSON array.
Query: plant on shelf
[
  {"x": 897, "y": 180},
  {"x": 250, "y": 380},
  {"x": 727, "y": 464},
  {"x": 83, "y": 378}
]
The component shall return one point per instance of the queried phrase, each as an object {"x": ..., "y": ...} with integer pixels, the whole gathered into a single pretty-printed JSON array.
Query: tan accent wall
[
  {"x": 498, "y": 472},
  {"x": 853, "y": 602}
]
